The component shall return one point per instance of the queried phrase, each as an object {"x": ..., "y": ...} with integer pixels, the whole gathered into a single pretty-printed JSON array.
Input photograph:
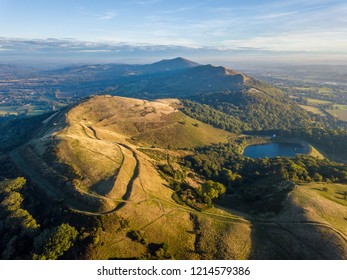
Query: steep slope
[
  {"x": 312, "y": 225},
  {"x": 185, "y": 82},
  {"x": 85, "y": 158}
]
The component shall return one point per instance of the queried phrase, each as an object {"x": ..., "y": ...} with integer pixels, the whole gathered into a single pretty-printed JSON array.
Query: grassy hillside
[
  {"x": 313, "y": 223},
  {"x": 92, "y": 148},
  {"x": 146, "y": 123},
  {"x": 310, "y": 226},
  {"x": 118, "y": 160}
]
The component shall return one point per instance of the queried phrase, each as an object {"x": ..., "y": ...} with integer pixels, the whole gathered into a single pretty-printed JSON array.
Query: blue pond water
[{"x": 271, "y": 150}]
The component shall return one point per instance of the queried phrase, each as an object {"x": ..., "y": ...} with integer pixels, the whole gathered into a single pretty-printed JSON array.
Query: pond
[{"x": 275, "y": 149}]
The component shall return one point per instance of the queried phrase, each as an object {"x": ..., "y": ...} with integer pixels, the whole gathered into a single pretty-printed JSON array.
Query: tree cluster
[
  {"x": 250, "y": 110},
  {"x": 223, "y": 163},
  {"x": 22, "y": 236},
  {"x": 331, "y": 140}
]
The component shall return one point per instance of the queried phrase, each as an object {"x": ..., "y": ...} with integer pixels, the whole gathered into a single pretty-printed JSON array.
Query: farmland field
[
  {"x": 313, "y": 110},
  {"x": 317, "y": 101},
  {"x": 340, "y": 114},
  {"x": 8, "y": 110},
  {"x": 31, "y": 110}
]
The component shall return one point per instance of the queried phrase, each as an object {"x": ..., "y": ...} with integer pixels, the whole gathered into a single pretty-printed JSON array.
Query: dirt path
[{"x": 128, "y": 190}]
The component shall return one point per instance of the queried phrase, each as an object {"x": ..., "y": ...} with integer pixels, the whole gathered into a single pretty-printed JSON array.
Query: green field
[
  {"x": 324, "y": 203},
  {"x": 325, "y": 90},
  {"x": 313, "y": 110},
  {"x": 31, "y": 111},
  {"x": 341, "y": 107},
  {"x": 317, "y": 101},
  {"x": 339, "y": 112},
  {"x": 12, "y": 110},
  {"x": 333, "y": 192}
]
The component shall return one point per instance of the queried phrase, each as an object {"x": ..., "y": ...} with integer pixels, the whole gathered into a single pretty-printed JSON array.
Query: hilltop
[{"x": 95, "y": 145}]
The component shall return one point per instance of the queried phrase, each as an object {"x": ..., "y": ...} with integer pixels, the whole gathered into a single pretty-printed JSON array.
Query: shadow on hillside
[{"x": 298, "y": 240}]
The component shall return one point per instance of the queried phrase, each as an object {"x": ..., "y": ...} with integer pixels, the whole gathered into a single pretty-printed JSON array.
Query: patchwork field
[
  {"x": 317, "y": 101},
  {"x": 31, "y": 110},
  {"x": 340, "y": 112},
  {"x": 313, "y": 110}
]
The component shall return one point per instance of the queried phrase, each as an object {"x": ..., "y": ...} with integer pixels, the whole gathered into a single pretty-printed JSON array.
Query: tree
[
  {"x": 12, "y": 201},
  {"x": 21, "y": 219},
  {"x": 229, "y": 178},
  {"x": 212, "y": 189},
  {"x": 14, "y": 185},
  {"x": 317, "y": 177},
  {"x": 52, "y": 244}
]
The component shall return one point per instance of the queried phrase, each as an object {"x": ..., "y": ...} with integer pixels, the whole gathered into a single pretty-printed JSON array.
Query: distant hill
[
  {"x": 170, "y": 65},
  {"x": 186, "y": 82},
  {"x": 115, "y": 71},
  {"x": 166, "y": 78},
  {"x": 253, "y": 105}
]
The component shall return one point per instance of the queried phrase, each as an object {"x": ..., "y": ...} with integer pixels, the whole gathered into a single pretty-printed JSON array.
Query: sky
[{"x": 142, "y": 30}]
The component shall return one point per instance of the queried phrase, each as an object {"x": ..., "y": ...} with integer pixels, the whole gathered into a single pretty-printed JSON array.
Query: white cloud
[
  {"x": 100, "y": 16},
  {"x": 94, "y": 51},
  {"x": 324, "y": 41},
  {"x": 107, "y": 16},
  {"x": 276, "y": 15},
  {"x": 146, "y": 2}
]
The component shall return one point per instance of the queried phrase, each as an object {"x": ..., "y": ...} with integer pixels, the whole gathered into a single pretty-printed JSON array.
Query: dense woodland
[
  {"x": 223, "y": 163},
  {"x": 250, "y": 110},
  {"x": 262, "y": 115},
  {"x": 34, "y": 227},
  {"x": 331, "y": 140},
  {"x": 258, "y": 185}
]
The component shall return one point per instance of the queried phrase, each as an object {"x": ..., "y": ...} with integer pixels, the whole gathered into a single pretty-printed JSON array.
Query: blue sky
[{"x": 311, "y": 28}]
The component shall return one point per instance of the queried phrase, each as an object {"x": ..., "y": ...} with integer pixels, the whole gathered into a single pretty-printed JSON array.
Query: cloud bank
[{"x": 71, "y": 51}]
